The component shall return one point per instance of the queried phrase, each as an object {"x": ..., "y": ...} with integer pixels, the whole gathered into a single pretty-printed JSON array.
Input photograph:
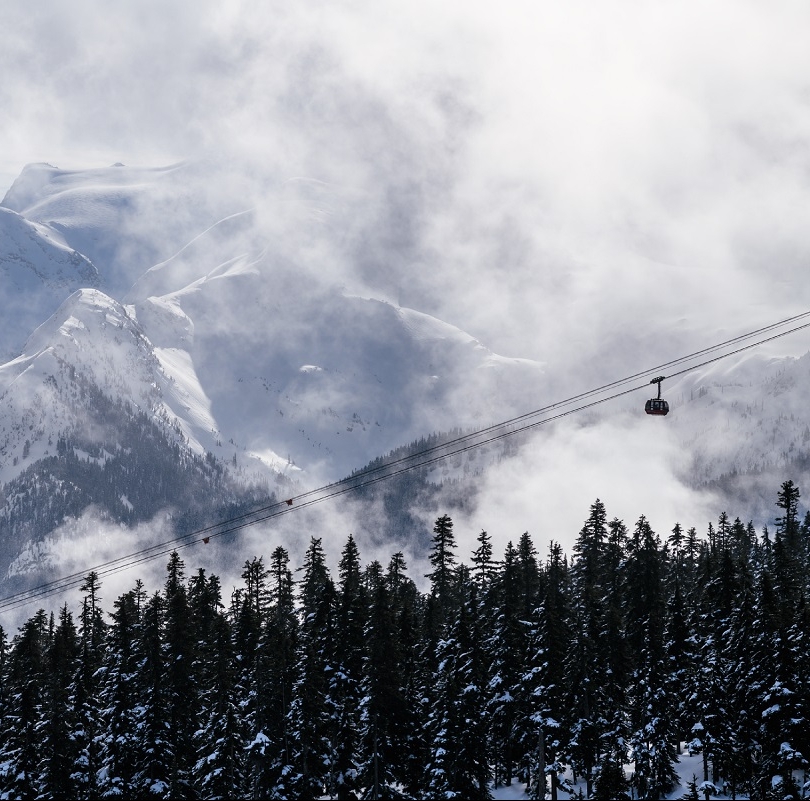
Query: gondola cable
[{"x": 383, "y": 472}]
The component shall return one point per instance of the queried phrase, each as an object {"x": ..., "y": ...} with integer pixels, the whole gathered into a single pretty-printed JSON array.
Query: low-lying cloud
[{"x": 598, "y": 188}]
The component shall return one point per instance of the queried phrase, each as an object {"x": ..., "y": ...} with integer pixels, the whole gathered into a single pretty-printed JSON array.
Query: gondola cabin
[{"x": 657, "y": 405}]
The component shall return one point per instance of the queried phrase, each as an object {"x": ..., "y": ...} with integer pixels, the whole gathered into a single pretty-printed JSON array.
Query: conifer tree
[
  {"x": 458, "y": 767},
  {"x": 614, "y": 634},
  {"x": 205, "y": 607},
  {"x": 508, "y": 648},
  {"x": 740, "y": 637},
  {"x": 652, "y": 739},
  {"x": 788, "y": 500},
  {"x": 784, "y": 723},
  {"x": 25, "y": 679},
  {"x": 384, "y": 722},
  {"x": 485, "y": 576},
  {"x": 611, "y": 783},
  {"x": 248, "y": 612},
  {"x": 710, "y": 697},
  {"x": 309, "y": 710},
  {"x": 271, "y": 748},
  {"x": 119, "y": 700},
  {"x": 763, "y": 666},
  {"x": 86, "y": 690},
  {"x": 529, "y": 587},
  {"x": 249, "y": 605},
  {"x": 678, "y": 637},
  {"x": 58, "y": 747},
  {"x": 408, "y": 608},
  {"x": 777, "y": 686},
  {"x": 528, "y": 575},
  {"x": 4, "y": 694},
  {"x": 443, "y": 559},
  {"x": 484, "y": 569},
  {"x": 153, "y": 741},
  {"x": 788, "y": 552},
  {"x": 587, "y": 662},
  {"x": 181, "y": 697},
  {"x": 219, "y": 772},
  {"x": 344, "y": 685},
  {"x": 544, "y": 685}
]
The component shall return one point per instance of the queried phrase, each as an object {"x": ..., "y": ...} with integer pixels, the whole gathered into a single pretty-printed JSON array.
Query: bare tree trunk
[{"x": 541, "y": 766}]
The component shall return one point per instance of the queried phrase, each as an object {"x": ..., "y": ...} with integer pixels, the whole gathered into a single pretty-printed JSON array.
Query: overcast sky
[
  {"x": 560, "y": 180},
  {"x": 655, "y": 152}
]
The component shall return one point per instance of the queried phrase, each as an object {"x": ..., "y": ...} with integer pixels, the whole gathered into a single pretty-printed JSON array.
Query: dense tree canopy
[{"x": 538, "y": 668}]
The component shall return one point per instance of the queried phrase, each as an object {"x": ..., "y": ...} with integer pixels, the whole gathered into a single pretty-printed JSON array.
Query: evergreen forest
[{"x": 543, "y": 668}]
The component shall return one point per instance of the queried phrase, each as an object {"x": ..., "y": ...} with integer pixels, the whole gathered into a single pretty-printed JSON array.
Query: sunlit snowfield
[{"x": 689, "y": 768}]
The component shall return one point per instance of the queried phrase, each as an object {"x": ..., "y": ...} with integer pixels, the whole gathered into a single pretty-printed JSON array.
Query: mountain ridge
[
  {"x": 250, "y": 368},
  {"x": 254, "y": 359}
]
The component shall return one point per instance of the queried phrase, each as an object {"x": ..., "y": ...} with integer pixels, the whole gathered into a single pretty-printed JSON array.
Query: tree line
[{"x": 595, "y": 668}]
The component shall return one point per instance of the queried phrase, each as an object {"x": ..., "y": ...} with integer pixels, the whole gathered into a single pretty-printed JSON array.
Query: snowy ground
[{"x": 688, "y": 766}]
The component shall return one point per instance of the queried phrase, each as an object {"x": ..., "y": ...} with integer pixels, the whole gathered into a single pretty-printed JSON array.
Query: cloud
[
  {"x": 509, "y": 160},
  {"x": 597, "y": 187},
  {"x": 80, "y": 545},
  {"x": 634, "y": 466},
  {"x": 91, "y": 541}
]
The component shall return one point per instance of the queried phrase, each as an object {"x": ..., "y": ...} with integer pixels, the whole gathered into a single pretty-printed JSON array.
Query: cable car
[{"x": 657, "y": 405}]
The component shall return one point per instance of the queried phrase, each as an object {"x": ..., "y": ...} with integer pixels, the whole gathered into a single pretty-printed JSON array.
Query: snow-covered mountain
[
  {"x": 231, "y": 350},
  {"x": 297, "y": 367},
  {"x": 122, "y": 219},
  {"x": 237, "y": 351},
  {"x": 37, "y": 269}
]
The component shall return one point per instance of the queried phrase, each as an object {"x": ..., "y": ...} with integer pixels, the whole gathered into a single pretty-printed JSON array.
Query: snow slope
[
  {"x": 92, "y": 339},
  {"x": 37, "y": 271},
  {"x": 239, "y": 346},
  {"x": 123, "y": 219},
  {"x": 91, "y": 336},
  {"x": 244, "y": 340},
  {"x": 285, "y": 365}
]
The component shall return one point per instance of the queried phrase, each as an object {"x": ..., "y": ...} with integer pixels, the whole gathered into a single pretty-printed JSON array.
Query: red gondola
[{"x": 657, "y": 405}]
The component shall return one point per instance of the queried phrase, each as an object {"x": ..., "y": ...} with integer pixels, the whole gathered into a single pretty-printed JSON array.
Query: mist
[
  {"x": 627, "y": 161},
  {"x": 598, "y": 189},
  {"x": 92, "y": 541}
]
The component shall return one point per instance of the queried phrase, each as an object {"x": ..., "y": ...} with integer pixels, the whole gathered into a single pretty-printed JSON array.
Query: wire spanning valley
[{"x": 424, "y": 458}]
